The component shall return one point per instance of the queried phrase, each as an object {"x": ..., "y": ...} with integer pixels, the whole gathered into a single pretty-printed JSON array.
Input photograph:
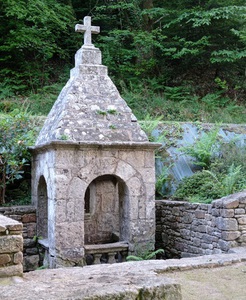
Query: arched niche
[
  {"x": 106, "y": 210},
  {"x": 42, "y": 211}
]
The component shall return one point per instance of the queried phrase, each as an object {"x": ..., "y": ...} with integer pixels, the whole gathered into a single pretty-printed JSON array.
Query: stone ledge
[
  {"x": 105, "y": 248},
  {"x": 9, "y": 224},
  {"x": 119, "y": 281},
  {"x": 96, "y": 145}
]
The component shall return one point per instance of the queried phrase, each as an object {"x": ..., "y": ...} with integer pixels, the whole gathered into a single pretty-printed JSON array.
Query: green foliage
[
  {"x": 149, "y": 125},
  {"x": 201, "y": 187},
  {"x": 34, "y": 34},
  {"x": 226, "y": 175},
  {"x": 183, "y": 104},
  {"x": 17, "y": 133},
  {"x": 204, "y": 149},
  {"x": 230, "y": 180},
  {"x": 162, "y": 181},
  {"x": 146, "y": 255}
]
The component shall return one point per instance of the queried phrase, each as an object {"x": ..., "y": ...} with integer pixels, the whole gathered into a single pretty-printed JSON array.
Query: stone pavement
[{"x": 154, "y": 279}]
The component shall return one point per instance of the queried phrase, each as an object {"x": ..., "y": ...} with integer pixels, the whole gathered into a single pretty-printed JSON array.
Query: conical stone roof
[{"x": 89, "y": 108}]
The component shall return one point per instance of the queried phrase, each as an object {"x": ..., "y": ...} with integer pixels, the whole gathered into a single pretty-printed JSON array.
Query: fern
[
  {"x": 230, "y": 180},
  {"x": 145, "y": 256},
  {"x": 203, "y": 149}
]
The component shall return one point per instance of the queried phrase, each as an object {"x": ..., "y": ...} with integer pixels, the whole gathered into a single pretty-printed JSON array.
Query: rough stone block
[
  {"x": 29, "y": 243},
  {"x": 215, "y": 212},
  {"x": 18, "y": 258},
  {"x": 224, "y": 245},
  {"x": 230, "y": 235},
  {"x": 227, "y": 213},
  {"x": 242, "y": 238},
  {"x": 242, "y": 227},
  {"x": 15, "y": 270},
  {"x": 4, "y": 259},
  {"x": 200, "y": 214},
  {"x": 216, "y": 251},
  {"x": 196, "y": 242},
  {"x": 187, "y": 218},
  {"x": 230, "y": 202},
  {"x": 206, "y": 246},
  {"x": 31, "y": 230},
  {"x": 30, "y": 263},
  {"x": 10, "y": 244},
  {"x": 2, "y": 228},
  {"x": 207, "y": 238},
  {"x": 242, "y": 221},
  {"x": 239, "y": 211},
  {"x": 202, "y": 228},
  {"x": 31, "y": 251},
  {"x": 28, "y": 218},
  {"x": 226, "y": 224}
]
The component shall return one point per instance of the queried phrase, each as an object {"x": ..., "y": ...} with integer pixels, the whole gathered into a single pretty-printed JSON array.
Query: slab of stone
[
  {"x": 9, "y": 224},
  {"x": 131, "y": 280}
]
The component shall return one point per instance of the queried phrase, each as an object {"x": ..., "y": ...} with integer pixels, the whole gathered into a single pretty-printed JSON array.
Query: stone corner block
[{"x": 16, "y": 270}]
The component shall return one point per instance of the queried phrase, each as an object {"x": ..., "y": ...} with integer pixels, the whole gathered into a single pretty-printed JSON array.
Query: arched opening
[
  {"x": 42, "y": 211},
  {"x": 105, "y": 209}
]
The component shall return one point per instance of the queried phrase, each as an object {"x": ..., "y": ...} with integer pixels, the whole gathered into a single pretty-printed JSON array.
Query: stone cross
[{"x": 88, "y": 30}]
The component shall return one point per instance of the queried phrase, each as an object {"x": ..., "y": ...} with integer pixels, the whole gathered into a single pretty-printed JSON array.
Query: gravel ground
[{"x": 221, "y": 283}]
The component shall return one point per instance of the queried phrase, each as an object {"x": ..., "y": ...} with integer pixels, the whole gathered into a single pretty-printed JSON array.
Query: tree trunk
[{"x": 147, "y": 22}]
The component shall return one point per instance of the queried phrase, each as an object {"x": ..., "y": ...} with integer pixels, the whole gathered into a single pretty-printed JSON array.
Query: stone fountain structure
[{"x": 93, "y": 176}]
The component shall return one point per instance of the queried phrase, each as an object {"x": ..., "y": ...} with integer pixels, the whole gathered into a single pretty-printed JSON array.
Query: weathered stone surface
[
  {"x": 29, "y": 243},
  {"x": 218, "y": 231},
  {"x": 242, "y": 238},
  {"x": 239, "y": 211},
  {"x": 9, "y": 224},
  {"x": 231, "y": 201},
  {"x": 199, "y": 214},
  {"x": 28, "y": 218},
  {"x": 31, "y": 230},
  {"x": 227, "y": 213},
  {"x": 9, "y": 271},
  {"x": 230, "y": 235},
  {"x": 10, "y": 244},
  {"x": 226, "y": 224},
  {"x": 2, "y": 228},
  {"x": 242, "y": 221},
  {"x": 4, "y": 259},
  {"x": 18, "y": 258},
  {"x": 30, "y": 263}
]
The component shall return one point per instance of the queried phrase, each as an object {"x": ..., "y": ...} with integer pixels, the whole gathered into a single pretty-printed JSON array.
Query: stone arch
[
  {"x": 105, "y": 207},
  {"x": 42, "y": 208}
]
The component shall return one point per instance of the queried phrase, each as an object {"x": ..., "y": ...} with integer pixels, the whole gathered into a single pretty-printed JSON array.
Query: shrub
[
  {"x": 201, "y": 185},
  {"x": 17, "y": 132}
]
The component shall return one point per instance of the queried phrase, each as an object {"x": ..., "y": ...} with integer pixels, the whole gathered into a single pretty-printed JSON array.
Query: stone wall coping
[
  {"x": 105, "y": 248},
  {"x": 174, "y": 202},
  {"x": 18, "y": 209},
  {"x": 44, "y": 243},
  {"x": 95, "y": 145},
  {"x": 9, "y": 223},
  {"x": 230, "y": 201}
]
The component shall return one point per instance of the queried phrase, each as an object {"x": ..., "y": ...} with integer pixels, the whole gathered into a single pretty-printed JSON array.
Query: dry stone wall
[
  {"x": 27, "y": 216},
  {"x": 185, "y": 229},
  {"x": 11, "y": 245}
]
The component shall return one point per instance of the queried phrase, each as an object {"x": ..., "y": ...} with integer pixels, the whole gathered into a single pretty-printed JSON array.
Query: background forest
[{"x": 181, "y": 60}]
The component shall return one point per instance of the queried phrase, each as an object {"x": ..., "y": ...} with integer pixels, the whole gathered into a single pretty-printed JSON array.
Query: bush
[
  {"x": 200, "y": 187},
  {"x": 18, "y": 131}
]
